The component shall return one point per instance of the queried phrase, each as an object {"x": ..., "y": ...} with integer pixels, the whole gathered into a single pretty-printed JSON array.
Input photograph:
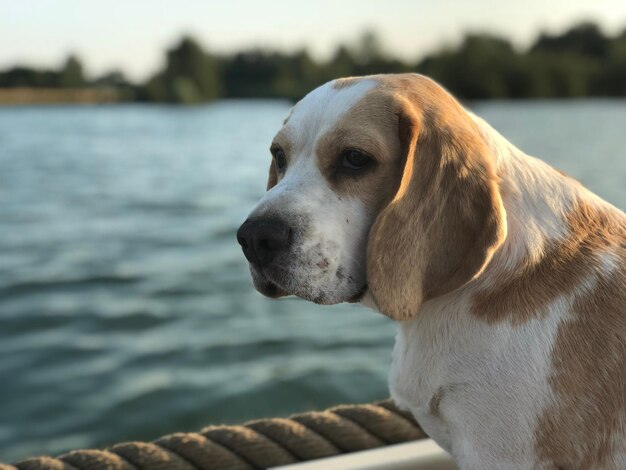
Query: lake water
[{"x": 126, "y": 307}]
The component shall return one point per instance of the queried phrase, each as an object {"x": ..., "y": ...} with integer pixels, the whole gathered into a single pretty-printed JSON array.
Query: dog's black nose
[{"x": 261, "y": 240}]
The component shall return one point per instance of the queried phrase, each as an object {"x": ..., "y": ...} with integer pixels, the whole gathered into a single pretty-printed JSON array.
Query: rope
[{"x": 254, "y": 445}]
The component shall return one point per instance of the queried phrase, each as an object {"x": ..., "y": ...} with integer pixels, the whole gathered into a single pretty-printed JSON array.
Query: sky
[{"x": 132, "y": 35}]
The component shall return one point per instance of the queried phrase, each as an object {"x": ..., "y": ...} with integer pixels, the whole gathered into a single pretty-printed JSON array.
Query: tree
[
  {"x": 71, "y": 74},
  {"x": 190, "y": 76},
  {"x": 341, "y": 64},
  {"x": 482, "y": 67},
  {"x": 368, "y": 48},
  {"x": 585, "y": 39},
  {"x": 27, "y": 77},
  {"x": 610, "y": 79},
  {"x": 251, "y": 73}
]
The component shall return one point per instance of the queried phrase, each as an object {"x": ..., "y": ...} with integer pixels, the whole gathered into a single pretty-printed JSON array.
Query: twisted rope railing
[{"x": 256, "y": 444}]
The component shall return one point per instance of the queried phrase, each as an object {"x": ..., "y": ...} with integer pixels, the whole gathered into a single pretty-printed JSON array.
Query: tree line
[{"x": 581, "y": 61}]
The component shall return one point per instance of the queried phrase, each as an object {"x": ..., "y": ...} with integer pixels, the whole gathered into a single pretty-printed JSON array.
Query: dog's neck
[{"x": 537, "y": 200}]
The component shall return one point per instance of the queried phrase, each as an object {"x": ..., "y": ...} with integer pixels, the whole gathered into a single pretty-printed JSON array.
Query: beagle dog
[{"x": 506, "y": 277}]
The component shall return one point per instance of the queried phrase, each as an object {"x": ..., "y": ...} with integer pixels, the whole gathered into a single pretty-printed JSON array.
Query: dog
[{"x": 506, "y": 277}]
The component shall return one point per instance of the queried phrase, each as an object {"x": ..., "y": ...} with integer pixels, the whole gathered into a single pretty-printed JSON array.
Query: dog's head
[{"x": 379, "y": 183}]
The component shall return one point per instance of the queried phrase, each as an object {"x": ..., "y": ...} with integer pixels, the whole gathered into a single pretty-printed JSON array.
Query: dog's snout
[{"x": 261, "y": 240}]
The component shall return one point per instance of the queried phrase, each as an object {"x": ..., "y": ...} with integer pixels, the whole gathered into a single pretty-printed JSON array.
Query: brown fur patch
[
  {"x": 588, "y": 416},
  {"x": 346, "y": 82},
  {"x": 435, "y": 402},
  {"x": 288, "y": 115},
  {"x": 272, "y": 179},
  {"x": 446, "y": 219},
  {"x": 282, "y": 141},
  {"x": 565, "y": 174},
  {"x": 370, "y": 126},
  {"x": 563, "y": 267}
]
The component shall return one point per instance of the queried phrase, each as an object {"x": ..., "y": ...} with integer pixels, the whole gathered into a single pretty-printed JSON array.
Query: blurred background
[{"x": 133, "y": 142}]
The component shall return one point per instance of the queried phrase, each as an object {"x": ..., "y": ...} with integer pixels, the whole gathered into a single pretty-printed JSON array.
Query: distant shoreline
[
  {"x": 28, "y": 95},
  {"x": 10, "y": 97}
]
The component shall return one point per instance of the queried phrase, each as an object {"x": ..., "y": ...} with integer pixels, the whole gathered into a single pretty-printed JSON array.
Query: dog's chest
[
  {"x": 427, "y": 372},
  {"x": 475, "y": 388}
]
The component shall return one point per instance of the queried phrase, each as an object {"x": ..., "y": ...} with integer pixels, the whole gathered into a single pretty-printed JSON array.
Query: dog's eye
[
  {"x": 355, "y": 160},
  {"x": 280, "y": 159}
]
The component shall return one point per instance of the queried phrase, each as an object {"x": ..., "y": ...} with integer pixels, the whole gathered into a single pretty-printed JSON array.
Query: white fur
[{"x": 327, "y": 261}]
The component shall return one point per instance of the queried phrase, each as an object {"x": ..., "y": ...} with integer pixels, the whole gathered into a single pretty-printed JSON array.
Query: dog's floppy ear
[
  {"x": 446, "y": 219},
  {"x": 272, "y": 179}
]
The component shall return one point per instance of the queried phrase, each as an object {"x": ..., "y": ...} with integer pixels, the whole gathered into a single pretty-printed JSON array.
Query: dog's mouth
[
  {"x": 275, "y": 284},
  {"x": 267, "y": 286},
  {"x": 273, "y": 291},
  {"x": 359, "y": 295}
]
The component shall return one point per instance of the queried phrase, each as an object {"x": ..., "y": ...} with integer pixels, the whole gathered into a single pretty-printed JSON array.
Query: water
[{"x": 126, "y": 308}]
